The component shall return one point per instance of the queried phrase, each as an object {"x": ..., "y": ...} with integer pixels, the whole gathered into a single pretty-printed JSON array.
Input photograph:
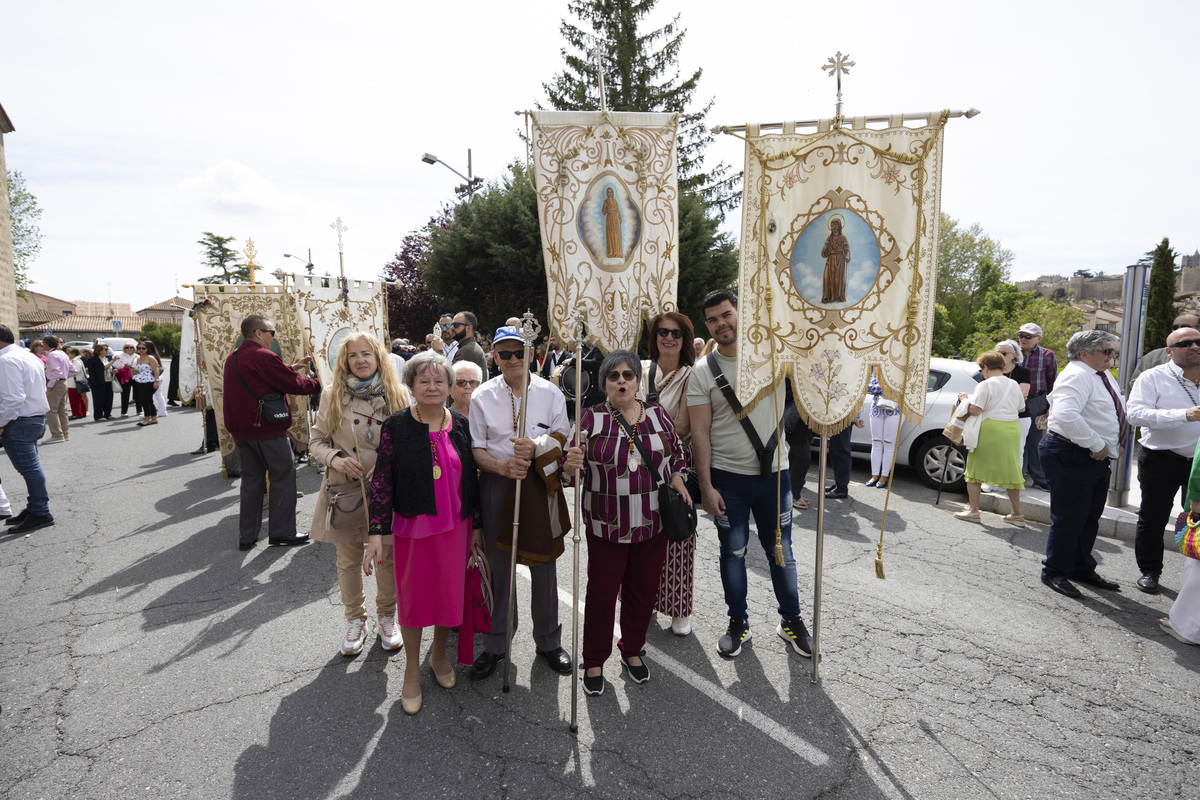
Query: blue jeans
[
  {"x": 20, "y": 442},
  {"x": 1078, "y": 489},
  {"x": 839, "y": 458},
  {"x": 751, "y": 494}
]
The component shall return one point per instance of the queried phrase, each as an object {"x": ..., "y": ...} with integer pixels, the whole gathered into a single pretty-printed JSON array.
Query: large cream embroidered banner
[
  {"x": 220, "y": 321},
  {"x": 326, "y": 311},
  {"x": 608, "y": 211},
  {"x": 838, "y": 258}
]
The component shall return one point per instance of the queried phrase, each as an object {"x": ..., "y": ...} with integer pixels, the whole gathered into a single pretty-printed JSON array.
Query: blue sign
[{"x": 116, "y": 324}]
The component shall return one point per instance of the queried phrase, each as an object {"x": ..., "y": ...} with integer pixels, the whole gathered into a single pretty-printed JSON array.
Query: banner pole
[
  {"x": 816, "y": 632},
  {"x": 575, "y": 527}
]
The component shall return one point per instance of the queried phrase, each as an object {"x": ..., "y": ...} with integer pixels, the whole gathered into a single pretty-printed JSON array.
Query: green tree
[
  {"x": 222, "y": 260},
  {"x": 1006, "y": 308},
  {"x": 970, "y": 264},
  {"x": 488, "y": 258},
  {"x": 165, "y": 336},
  {"x": 708, "y": 258},
  {"x": 641, "y": 73},
  {"x": 26, "y": 235},
  {"x": 412, "y": 308},
  {"x": 1160, "y": 300}
]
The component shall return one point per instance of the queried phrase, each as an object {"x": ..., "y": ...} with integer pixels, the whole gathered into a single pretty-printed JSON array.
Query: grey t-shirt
[{"x": 731, "y": 447}]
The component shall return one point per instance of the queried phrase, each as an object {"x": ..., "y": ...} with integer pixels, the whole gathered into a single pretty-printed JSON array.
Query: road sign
[{"x": 116, "y": 324}]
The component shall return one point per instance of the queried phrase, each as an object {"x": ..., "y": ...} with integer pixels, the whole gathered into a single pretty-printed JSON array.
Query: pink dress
[{"x": 431, "y": 551}]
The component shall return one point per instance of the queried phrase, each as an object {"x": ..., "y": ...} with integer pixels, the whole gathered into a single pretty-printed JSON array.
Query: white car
[{"x": 938, "y": 462}]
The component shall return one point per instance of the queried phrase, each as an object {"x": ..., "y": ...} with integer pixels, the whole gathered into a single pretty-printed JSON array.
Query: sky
[{"x": 141, "y": 125}]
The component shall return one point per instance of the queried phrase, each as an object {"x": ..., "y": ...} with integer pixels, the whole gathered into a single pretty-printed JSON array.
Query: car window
[{"x": 937, "y": 379}]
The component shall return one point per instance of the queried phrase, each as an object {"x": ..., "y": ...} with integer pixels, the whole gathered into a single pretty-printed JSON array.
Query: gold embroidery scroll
[{"x": 326, "y": 313}]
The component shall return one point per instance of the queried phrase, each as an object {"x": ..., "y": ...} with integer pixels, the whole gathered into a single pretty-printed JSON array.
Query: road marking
[{"x": 737, "y": 707}]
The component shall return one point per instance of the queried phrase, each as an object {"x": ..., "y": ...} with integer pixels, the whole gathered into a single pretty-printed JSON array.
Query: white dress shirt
[
  {"x": 1158, "y": 403},
  {"x": 449, "y": 349},
  {"x": 491, "y": 417},
  {"x": 22, "y": 385},
  {"x": 1082, "y": 410}
]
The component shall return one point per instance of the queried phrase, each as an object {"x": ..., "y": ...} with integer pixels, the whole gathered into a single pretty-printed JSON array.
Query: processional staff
[
  {"x": 529, "y": 330},
  {"x": 575, "y": 521}
]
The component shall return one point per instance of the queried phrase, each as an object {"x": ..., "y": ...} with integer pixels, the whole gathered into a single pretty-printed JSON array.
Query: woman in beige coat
[{"x": 364, "y": 392}]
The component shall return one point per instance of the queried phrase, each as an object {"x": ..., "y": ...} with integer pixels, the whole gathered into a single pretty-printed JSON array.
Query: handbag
[
  {"x": 883, "y": 404},
  {"x": 272, "y": 406},
  {"x": 81, "y": 386},
  {"x": 1187, "y": 535},
  {"x": 124, "y": 375},
  {"x": 346, "y": 506},
  {"x": 678, "y": 518}
]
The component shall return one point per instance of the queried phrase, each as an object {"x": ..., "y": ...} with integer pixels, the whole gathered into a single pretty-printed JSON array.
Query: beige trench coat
[{"x": 326, "y": 445}]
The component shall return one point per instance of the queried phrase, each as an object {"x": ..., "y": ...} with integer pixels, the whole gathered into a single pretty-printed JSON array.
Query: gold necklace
[
  {"x": 633, "y": 460},
  {"x": 433, "y": 444}
]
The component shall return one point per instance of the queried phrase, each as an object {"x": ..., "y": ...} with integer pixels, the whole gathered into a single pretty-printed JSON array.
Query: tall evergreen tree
[
  {"x": 222, "y": 260},
  {"x": 641, "y": 73},
  {"x": 1160, "y": 300}
]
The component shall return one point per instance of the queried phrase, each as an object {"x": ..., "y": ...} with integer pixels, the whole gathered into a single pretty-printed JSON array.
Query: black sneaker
[
  {"x": 18, "y": 519},
  {"x": 731, "y": 643},
  {"x": 637, "y": 674},
  {"x": 593, "y": 686},
  {"x": 792, "y": 631}
]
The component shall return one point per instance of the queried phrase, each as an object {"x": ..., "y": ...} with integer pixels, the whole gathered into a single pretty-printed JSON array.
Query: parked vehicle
[
  {"x": 115, "y": 343},
  {"x": 79, "y": 345},
  {"x": 923, "y": 446}
]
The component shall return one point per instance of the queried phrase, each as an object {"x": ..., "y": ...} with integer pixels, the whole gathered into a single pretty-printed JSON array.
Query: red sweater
[{"x": 264, "y": 372}]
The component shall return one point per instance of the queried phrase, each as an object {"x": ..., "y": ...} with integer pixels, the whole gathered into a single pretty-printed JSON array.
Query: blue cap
[{"x": 506, "y": 334}]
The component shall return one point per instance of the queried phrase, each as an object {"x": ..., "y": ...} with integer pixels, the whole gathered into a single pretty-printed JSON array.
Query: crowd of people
[{"x": 1080, "y": 423}]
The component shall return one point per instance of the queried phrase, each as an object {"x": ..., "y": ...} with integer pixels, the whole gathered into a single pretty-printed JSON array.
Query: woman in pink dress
[{"x": 425, "y": 495}]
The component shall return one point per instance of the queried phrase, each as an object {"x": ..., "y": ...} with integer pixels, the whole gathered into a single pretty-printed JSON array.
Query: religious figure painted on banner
[
  {"x": 609, "y": 223},
  {"x": 835, "y": 260}
]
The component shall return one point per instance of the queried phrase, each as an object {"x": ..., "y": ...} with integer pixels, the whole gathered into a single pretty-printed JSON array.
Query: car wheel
[{"x": 941, "y": 463}]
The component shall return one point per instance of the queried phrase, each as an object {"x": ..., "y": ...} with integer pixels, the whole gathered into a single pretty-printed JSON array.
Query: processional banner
[
  {"x": 608, "y": 208},
  {"x": 189, "y": 361},
  {"x": 329, "y": 308},
  {"x": 220, "y": 324},
  {"x": 838, "y": 259}
]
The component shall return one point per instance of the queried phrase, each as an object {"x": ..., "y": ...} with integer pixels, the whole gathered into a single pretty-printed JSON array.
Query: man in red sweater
[{"x": 252, "y": 371}]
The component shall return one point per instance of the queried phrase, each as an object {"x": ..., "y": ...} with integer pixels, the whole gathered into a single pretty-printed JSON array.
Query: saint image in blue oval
[
  {"x": 608, "y": 221},
  {"x": 835, "y": 260}
]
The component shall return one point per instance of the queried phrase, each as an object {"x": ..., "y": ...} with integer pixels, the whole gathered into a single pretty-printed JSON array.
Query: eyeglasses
[
  {"x": 674, "y": 333},
  {"x": 465, "y": 384},
  {"x": 628, "y": 375},
  {"x": 1024, "y": 335},
  {"x": 1184, "y": 344},
  {"x": 505, "y": 355},
  {"x": 266, "y": 330}
]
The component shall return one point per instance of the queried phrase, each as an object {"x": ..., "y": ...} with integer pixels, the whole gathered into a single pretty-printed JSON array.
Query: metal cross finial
[
  {"x": 340, "y": 228},
  {"x": 595, "y": 53},
  {"x": 838, "y": 66}
]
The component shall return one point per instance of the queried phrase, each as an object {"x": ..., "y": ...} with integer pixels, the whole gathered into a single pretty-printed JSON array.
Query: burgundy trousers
[{"x": 631, "y": 570}]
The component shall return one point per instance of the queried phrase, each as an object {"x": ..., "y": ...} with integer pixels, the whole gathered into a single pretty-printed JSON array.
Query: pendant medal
[
  {"x": 634, "y": 463},
  {"x": 370, "y": 437},
  {"x": 437, "y": 472}
]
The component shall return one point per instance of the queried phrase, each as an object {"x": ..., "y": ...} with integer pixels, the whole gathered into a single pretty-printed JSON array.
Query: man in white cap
[{"x": 1043, "y": 369}]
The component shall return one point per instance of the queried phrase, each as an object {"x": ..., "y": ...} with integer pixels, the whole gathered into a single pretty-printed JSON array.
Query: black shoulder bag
[
  {"x": 764, "y": 452},
  {"x": 272, "y": 406},
  {"x": 652, "y": 391},
  {"x": 678, "y": 518}
]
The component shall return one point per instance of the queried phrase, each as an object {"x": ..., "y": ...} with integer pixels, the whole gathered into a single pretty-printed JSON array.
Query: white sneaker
[
  {"x": 680, "y": 626},
  {"x": 356, "y": 634},
  {"x": 389, "y": 633}
]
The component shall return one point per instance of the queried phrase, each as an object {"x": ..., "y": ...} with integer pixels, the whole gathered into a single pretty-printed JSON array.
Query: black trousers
[
  {"x": 260, "y": 458},
  {"x": 143, "y": 394},
  {"x": 126, "y": 392},
  {"x": 1162, "y": 475},
  {"x": 102, "y": 399},
  {"x": 799, "y": 441}
]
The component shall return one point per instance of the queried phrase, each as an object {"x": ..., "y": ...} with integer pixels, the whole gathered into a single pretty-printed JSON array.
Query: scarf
[{"x": 365, "y": 390}]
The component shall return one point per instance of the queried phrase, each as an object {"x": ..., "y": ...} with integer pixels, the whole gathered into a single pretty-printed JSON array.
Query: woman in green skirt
[{"x": 993, "y": 438}]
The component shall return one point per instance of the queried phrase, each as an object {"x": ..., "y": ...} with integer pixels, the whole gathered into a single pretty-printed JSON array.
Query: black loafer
[
  {"x": 293, "y": 542},
  {"x": 18, "y": 519},
  {"x": 834, "y": 494},
  {"x": 1148, "y": 583},
  {"x": 1099, "y": 583},
  {"x": 1062, "y": 586},
  {"x": 247, "y": 545},
  {"x": 637, "y": 674},
  {"x": 558, "y": 660},
  {"x": 485, "y": 665},
  {"x": 32, "y": 523}
]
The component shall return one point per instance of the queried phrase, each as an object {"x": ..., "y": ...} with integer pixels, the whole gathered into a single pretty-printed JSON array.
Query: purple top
[
  {"x": 445, "y": 492},
  {"x": 622, "y": 506}
]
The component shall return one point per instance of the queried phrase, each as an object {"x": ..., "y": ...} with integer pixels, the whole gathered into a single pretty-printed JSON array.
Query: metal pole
[
  {"x": 927, "y": 116},
  {"x": 575, "y": 528},
  {"x": 1133, "y": 333},
  {"x": 821, "y": 466},
  {"x": 529, "y": 333}
]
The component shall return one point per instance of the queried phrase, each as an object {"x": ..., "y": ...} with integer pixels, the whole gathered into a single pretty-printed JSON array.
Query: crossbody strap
[
  {"x": 652, "y": 393},
  {"x": 238, "y": 372},
  {"x": 763, "y": 452}
]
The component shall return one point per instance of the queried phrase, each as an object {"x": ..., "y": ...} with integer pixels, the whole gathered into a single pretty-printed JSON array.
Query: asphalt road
[{"x": 145, "y": 656}]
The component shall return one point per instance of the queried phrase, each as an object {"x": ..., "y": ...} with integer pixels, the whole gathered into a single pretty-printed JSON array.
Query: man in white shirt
[
  {"x": 742, "y": 477},
  {"x": 22, "y": 422},
  {"x": 449, "y": 345},
  {"x": 503, "y": 458},
  {"x": 1087, "y": 427},
  {"x": 1165, "y": 402}
]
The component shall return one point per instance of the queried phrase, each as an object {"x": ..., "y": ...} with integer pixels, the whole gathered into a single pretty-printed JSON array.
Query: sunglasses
[
  {"x": 628, "y": 375},
  {"x": 265, "y": 330},
  {"x": 127, "y": 347},
  {"x": 1177, "y": 327},
  {"x": 1108, "y": 351},
  {"x": 142, "y": 349},
  {"x": 1183, "y": 344},
  {"x": 505, "y": 355},
  {"x": 457, "y": 325},
  {"x": 466, "y": 384},
  {"x": 447, "y": 324},
  {"x": 675, "y": 333},
  {"x": 1024, "y": 335}
]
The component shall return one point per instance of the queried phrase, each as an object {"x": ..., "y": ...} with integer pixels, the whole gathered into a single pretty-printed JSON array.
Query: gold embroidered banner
[
  {"x": 326, "y": 312},
  {"x": 838, "y": 259},
  {"x": 220, "y": 323},
  {"x": 189, "y": 360},
  {"x": 609, "y": 216}
]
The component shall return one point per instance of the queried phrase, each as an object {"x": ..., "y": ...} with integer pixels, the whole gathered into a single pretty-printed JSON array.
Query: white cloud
[{"x": 236, "y": 188}]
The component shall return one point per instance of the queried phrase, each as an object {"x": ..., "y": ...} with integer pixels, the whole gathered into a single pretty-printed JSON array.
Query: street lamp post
[
  {"x": 308, "y": 264},
  {"x": 472, "y": 183}
]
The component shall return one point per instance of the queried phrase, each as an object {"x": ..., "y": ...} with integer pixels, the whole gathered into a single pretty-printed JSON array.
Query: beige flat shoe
[
  {"x": 446, "y": 681},
  {"x": 411, "y": 705},
  {"x": 967, "y": 516},
  {"x": 1017, "y": 520}
]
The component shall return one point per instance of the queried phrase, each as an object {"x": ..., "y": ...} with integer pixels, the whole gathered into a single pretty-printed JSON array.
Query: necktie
[{"x": 1121, "y": 421}]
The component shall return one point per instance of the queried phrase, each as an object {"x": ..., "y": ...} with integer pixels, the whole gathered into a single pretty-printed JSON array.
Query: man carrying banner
[
  {"x": 738, "y": 477},
  {"x": 503, "y": 459}
]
